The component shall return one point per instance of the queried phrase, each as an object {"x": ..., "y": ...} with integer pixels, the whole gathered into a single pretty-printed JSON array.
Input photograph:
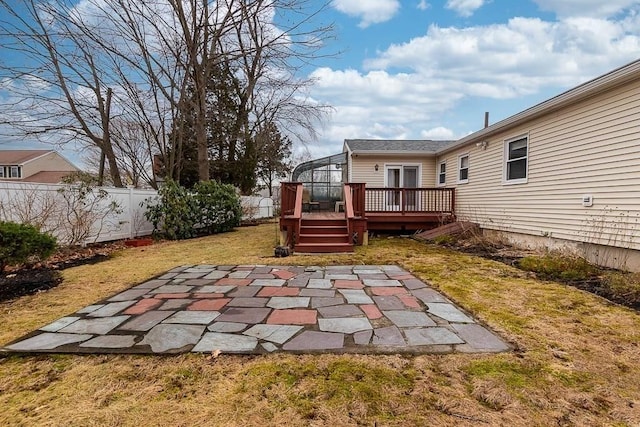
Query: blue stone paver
[{"x": 260, "y": 309}]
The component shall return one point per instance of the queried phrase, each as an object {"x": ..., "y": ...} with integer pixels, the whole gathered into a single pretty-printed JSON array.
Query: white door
[{"x": 400, "y": 176}]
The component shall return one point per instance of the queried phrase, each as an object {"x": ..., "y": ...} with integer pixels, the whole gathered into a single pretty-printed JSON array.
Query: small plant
[
  {"x": 21, "y": 243},
  {"x": 555, "y": 266},
  {"x": 623, "y": 287}
]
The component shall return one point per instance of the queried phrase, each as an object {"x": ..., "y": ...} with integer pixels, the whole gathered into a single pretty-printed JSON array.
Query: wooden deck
[{"x": 366, "y": 209}]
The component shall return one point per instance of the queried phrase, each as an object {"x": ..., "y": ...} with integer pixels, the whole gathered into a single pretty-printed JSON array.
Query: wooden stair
[{"x": 323, "y": 235}]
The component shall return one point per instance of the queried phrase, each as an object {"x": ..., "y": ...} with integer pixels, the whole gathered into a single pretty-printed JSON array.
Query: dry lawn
[{"x": 576, "y": 362}]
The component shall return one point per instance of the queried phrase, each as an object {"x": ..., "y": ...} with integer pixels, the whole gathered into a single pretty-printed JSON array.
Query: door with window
[{"x": 402, "y": 176}]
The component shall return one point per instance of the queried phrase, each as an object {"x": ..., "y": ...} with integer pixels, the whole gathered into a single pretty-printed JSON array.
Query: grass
[{"x": 575, "y": 361}]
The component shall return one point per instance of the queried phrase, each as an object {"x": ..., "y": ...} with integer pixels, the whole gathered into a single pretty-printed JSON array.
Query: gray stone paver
[
  {"x": 169, "y": 338},
  {"x": 226, "y": 343},
  {"x": 448, "y": 312},
  {"x": 111, "y": 341},
  {"x": 243, "y": 310},
  {"x": 346, "y": 325},
  {"x": 90, "y": 308},
  {"x": 408, "y": 319},
  {"x": 479, "y": 338},
  {"x": 319, "y": 284},
  {"x": 389, "y": 336},
  {"x": 146, "y": 321},
  {"x": 288, "y": 302},
  {"x": 111, "y": 309},
  {"x": 343, "y": 310},
  {"x": 194, "y": 317},
  {"x": 313, "y": 340},
  {"x": 227, "y": 327},
  {"x": 274, "y": 333},
  {"x": 215, "y": 289},
  {"x": 48, "y": 341},
  {"x": 100, "y": 326},
  {"x": 59, "y": 324},
  {"x": 248, "y": 302},
  {"x": 356, "y": 296},
  {"x": 431, "y": 336}
]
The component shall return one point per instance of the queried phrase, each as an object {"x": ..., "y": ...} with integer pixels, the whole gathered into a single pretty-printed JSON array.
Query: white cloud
[
  {"x": 370, "y": 11},
  {"x": 464, "y": 8},
  {"x": 438, "y": 133},
  {"x": 593, "y": 8},
  {"x": 423, "y": 5},
  {"x": 468, "y": 69},
  {"x": 515, "y": 59}
]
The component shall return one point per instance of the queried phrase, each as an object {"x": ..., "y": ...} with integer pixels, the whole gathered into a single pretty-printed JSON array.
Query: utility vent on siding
[{"x": 587, "y": 200}]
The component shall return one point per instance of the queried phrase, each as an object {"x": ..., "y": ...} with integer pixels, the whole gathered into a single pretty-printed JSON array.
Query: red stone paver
[
  {"x": 207, "y": 295},
  {"x": 234, "y": 282},
  {"x": 371, "y": 310},
  {"x": 348, "y": 284},
  {"x": 409, "y": 301},
  {"x": 293, "y": 317},
  {"x": 269, "y": 291},
  {"x": 388, "y": 291},
  {"x": 209, "y": 304},
  {"x": 171, "y": 296},
  {"x": 143, "y": 306},
  {"x": 283, "y": 274}
]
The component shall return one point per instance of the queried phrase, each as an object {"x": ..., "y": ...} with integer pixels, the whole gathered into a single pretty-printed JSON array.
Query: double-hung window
[
  {"x": 516, "y": 156},
  {"x": 442, "y": 173},
  {"x": 15, "y": 171},
  {"x": 463, "y": 169},
  {"x": 2, "y": 174}
]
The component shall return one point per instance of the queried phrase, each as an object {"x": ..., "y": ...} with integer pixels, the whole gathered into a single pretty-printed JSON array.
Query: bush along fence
[{"x": 78, "y": 214}]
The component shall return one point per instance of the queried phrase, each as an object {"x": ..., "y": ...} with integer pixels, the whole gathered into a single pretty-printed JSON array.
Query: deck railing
[
  {"x": 288, "y": 195},
  {"x": 410, "y": 200}
]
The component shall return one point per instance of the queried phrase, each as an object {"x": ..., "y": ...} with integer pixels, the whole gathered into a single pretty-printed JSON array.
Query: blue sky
[{"x": 429, "y": 69}]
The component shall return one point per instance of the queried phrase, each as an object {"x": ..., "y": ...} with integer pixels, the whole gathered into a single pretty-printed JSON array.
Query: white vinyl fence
[{"x": 78, "y": 215}]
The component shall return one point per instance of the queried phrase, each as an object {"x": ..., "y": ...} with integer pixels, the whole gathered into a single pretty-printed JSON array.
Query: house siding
[
  {"x": 49, "y": 162},
  {"x": 589, "y": 148},
  {"x": 363, "y": 168}
]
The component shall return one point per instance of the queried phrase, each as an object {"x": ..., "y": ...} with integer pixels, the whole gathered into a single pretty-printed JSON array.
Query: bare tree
[
  {"x": 142, "y": 62},
  {"x": 59, "y": 81}
]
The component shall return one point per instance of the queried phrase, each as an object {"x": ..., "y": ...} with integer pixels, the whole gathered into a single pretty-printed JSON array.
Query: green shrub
[
  {"x": 554, "y": 266},
  {"x": 218, "y": 207},
  {"x": 181, "y": 214},
  {"x": 22, "y": 243}
]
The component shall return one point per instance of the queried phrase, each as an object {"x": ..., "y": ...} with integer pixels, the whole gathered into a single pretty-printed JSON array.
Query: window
[
  {"x": 516, "y": 152},
  {"x": 442, "y": 173},
  {"x": 463, "y": 169},
  {"x": 2, "y": 172},
  {"x": 15, "y": 172}
]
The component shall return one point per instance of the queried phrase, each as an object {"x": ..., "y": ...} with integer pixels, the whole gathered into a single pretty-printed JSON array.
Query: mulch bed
[
  {"x": 511, "y": 256},
  {"x": 19, "y": 281}
]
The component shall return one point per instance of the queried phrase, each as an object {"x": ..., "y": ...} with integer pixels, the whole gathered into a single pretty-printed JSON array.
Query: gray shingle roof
[{"x": 391, "y": 145}]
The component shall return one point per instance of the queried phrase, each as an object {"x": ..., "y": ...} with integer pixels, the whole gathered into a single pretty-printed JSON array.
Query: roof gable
[
  {"x": 400, "y": 146},
  {"x": 20, "y": 157}
]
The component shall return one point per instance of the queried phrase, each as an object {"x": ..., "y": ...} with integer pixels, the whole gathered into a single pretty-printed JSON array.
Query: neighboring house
[
  {"x": 564, "y": 173},
  {"x": 36, "y": 166}
]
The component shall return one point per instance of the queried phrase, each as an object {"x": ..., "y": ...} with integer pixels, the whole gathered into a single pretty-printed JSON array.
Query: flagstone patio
[{"x": 257, "y": 309}]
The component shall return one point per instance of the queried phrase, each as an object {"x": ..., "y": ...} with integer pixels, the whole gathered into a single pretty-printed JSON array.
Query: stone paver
[
  {"x": 101, "y": 326},
  {"x": 265, "y": 309},
  {"x": 227, "y": 343},
  {"x": 448, "y": 312},
  {"x": 346, "y": 325},
  {"x": 389, "y": 336}
]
